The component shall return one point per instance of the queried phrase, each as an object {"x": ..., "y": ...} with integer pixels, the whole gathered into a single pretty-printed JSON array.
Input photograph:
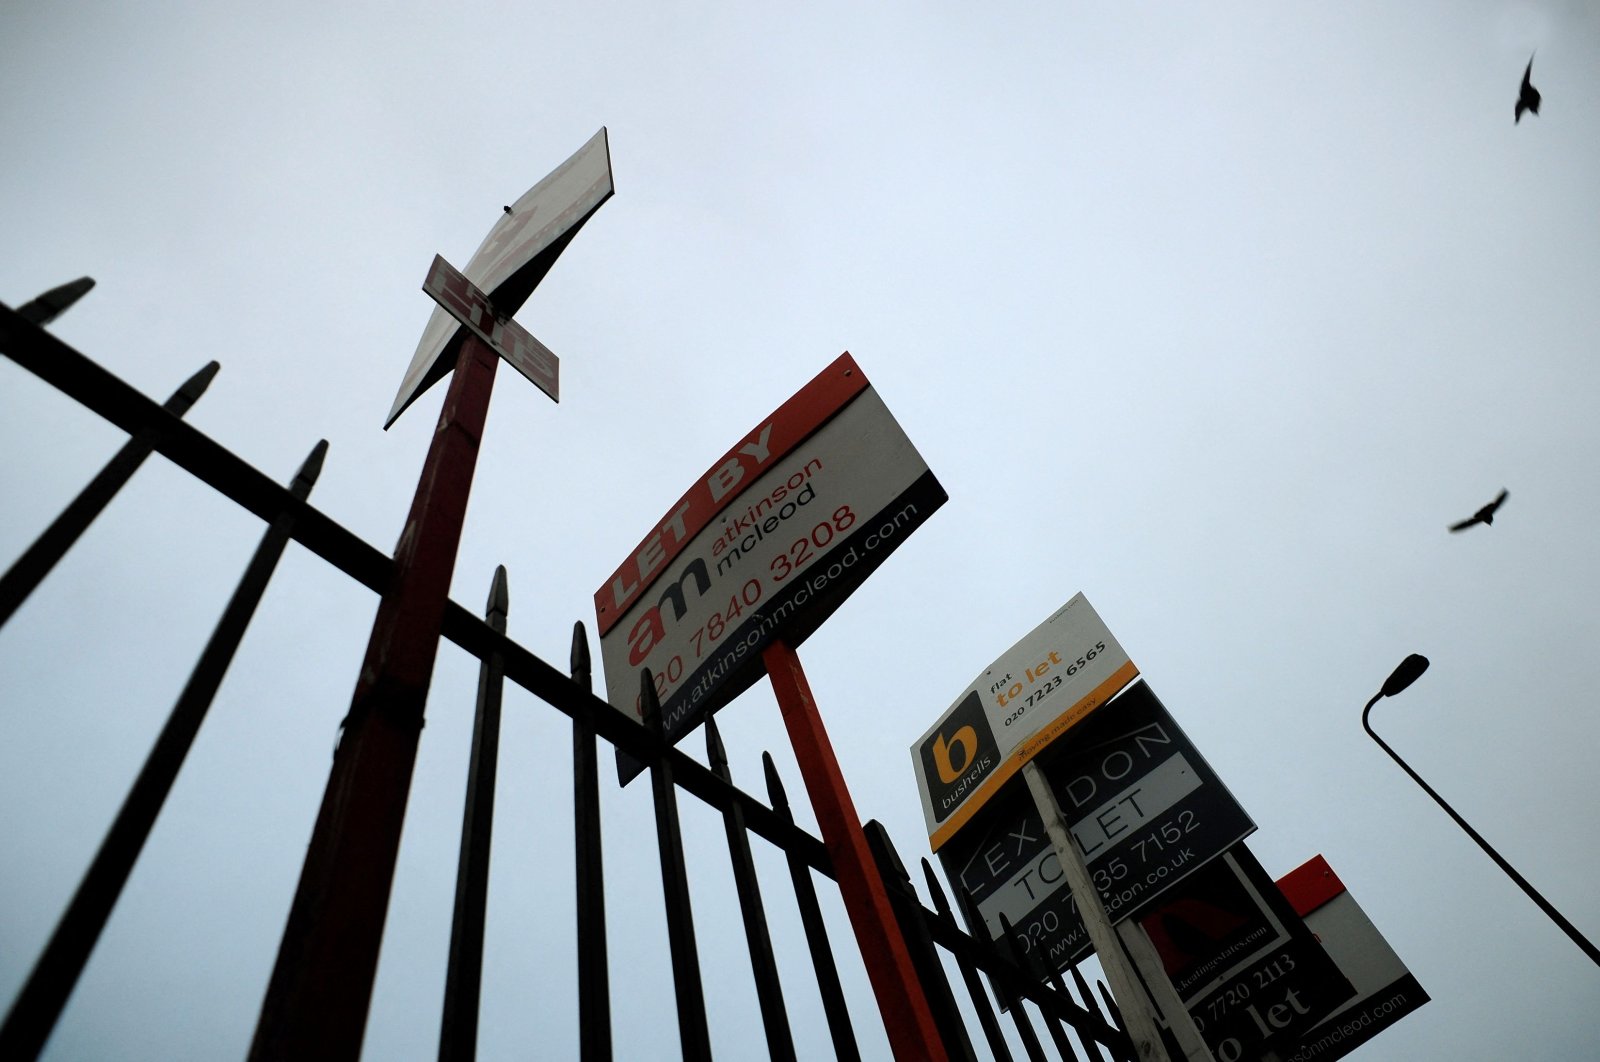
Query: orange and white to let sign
[{"x": 1065, "y": 668}]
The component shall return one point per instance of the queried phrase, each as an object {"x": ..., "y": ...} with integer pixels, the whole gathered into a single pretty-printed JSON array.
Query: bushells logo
[{"x": 958, "y": 756}]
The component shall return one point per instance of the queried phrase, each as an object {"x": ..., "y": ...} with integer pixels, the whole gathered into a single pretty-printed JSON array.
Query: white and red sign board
[
  {"x": 520, "y": 248},
  {"x": 1385, "y": 990},
  {"x": 463, "y": 301},
  {"x": 1038, "y": 689},
  {"x": 765, "y": 545}
]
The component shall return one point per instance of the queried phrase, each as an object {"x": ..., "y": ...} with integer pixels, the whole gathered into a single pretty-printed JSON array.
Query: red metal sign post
[
  {"x": 316, "y": 1005},
  {"x": 321, "y": 986},
  {"x": 913, "y": 1036},
  {"x": 752, "y": 559}
]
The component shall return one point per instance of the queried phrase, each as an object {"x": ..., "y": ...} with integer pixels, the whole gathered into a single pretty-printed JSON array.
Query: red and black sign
[{"x": 1249, "y": 971}]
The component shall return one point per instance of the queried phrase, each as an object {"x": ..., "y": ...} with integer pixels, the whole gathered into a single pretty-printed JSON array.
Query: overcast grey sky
[{"x": 1218, "y": 313}]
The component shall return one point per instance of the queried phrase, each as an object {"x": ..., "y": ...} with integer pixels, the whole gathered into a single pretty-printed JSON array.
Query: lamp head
[{"x": 1410, "y": 669}]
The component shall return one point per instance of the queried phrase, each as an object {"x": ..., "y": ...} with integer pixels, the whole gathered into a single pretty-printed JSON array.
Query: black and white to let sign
[
  {"x": 1143, "y": 806},
  {"x": 766, "y": 544},
  {"x": 462, "y": 300},
  {"x": 1004, "y": 864}
]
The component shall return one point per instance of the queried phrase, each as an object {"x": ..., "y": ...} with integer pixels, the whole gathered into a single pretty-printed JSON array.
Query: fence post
[
  {"x": 805, "y": 897},
  {"x": 321, "y": 985},
  {"x": 38, "y": 1006},
  {"x": 913, "y": 1036},
  {"x": 1019, "y": 1014},
  {"x": 1052, "y": 1024},
  {"x": 594, "y": 989},
  {"x": 29, "y": 570},
  {"x": 969, "y": 976},
  {"x": 1093, "y": 1006},
  {"x": 463, "y": 980},
  {"x": 695, "y": 1039},
  {"x": 908, "y": 911},
  {"x": 769, "y": 993}
]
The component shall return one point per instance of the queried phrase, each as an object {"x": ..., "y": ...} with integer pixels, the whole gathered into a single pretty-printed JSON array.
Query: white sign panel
[
  {"x": 515, "y": 256},
  {"x": 1385, "y": 990},
  {"x": 1064, "y": 669},
  {"x": 766, "y": 545}
]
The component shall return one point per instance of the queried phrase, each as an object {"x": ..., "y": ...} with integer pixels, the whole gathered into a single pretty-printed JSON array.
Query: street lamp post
[{"x": 1404, "y": 675}]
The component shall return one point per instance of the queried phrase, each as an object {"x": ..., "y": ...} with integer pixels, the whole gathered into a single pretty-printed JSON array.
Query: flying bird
[
  {"x": 1484, "y": 515},
  {"x": 1528, "y": 97}
]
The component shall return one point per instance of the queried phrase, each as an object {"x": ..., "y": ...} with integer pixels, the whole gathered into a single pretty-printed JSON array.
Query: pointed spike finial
[
  {"x": 715, "y": 752},
  {"x": 1111, "y": 1005},
  {"x": 499, "y": 599},
  {"x": 55, "y": 302},
  {"x": 876, "y": 832},
  {"x": 941, "y": 903},
  {"x": 1083, "y": 991},
  {"x": 964, "y": 897},
  {"x": 998, "y": 946},
  {"x": 1008, "y": 935},
  {"x": 580, "y": 668},
  {"x": 775, "y": 794},
  {"x": 311, "y": 469},
  {"x": 649, "y": 704},
  {"x": 196, "y": 385}
]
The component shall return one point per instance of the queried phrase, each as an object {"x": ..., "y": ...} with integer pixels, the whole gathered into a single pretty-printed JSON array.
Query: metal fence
[{"x": 936, "y": 941}]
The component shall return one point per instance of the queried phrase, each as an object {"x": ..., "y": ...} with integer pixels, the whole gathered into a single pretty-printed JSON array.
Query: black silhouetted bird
[
  {"x": 1484, "y": 515},
  {"x": 508, "y": 209},
  {"x": 1528, "y": 97}
]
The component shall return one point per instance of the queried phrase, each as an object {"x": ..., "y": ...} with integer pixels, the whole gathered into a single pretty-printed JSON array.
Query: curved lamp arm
[{"x": 1392, "y": 687}]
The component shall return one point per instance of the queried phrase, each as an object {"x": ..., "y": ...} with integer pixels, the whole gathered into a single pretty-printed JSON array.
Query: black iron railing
[{"x": 936, "y": 940}]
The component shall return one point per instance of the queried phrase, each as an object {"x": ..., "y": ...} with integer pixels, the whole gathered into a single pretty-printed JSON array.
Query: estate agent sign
[
  {"x": 1065, "y": 668},
  {"x": 766, "y": 544}
]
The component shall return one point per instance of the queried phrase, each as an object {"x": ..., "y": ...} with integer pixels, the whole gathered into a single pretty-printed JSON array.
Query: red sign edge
[
  {"x": 1310, "y": 885},
  {"x": 805, "y": 411}
]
